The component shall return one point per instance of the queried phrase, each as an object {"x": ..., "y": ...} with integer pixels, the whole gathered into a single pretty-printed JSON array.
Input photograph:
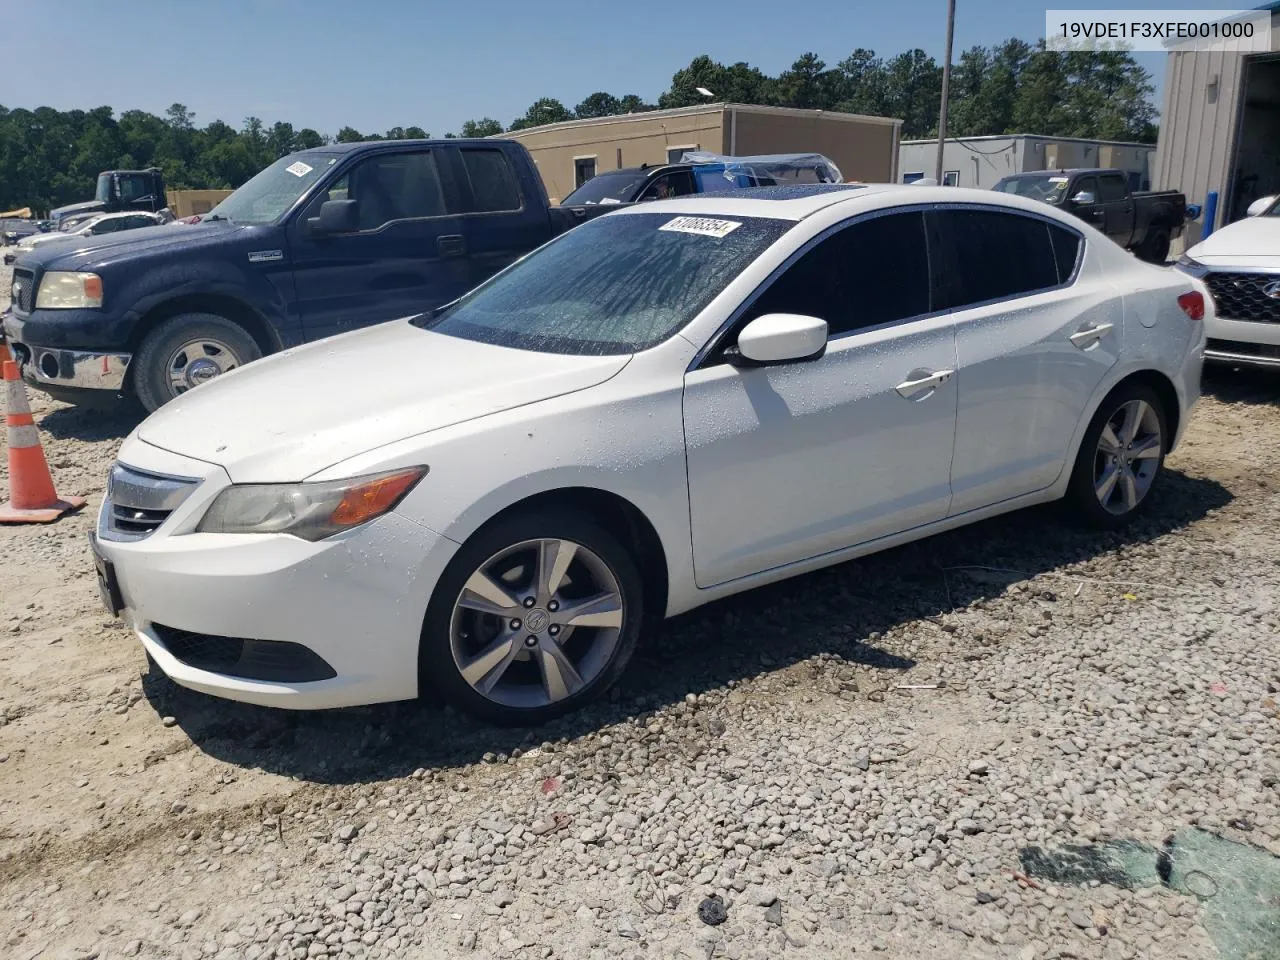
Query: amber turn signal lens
[
  {"x": 368, "y": 500},
  {"x": 93, "y": 287}
]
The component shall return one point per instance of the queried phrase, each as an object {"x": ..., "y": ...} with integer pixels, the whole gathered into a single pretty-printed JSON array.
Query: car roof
[
  {"x": 1070, "y": 171},
  {"x": 804, "y": 200},
  {"x": 363, "y": 145}
]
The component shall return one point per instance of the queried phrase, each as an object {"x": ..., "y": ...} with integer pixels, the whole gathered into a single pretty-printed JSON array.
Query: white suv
[{"x": 1240, "y": 264}]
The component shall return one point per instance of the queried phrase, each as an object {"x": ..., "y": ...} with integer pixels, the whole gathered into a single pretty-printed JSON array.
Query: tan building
[
  {"x": 187, "y": 203},
  {"x": 568, "y": 154},
  {"x": 1220, "y": 127}
]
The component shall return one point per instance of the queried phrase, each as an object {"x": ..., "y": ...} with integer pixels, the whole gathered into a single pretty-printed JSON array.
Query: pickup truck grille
[
  {"x": 137, "y": 502},
  {"x": 24, "y": 290},
  {"x": 1243, "y": 296}
]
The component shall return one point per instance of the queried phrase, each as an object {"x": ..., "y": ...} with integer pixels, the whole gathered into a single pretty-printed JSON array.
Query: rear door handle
[
  {"x": 1089, "y": 337},
  {"x": 921, "y": 384},
  {"x": 452, "y": 245}
]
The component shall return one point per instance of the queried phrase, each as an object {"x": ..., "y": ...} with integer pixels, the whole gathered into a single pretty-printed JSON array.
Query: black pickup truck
[
  {"x": 1145, "y": 222},
  {"x": 320, "y": 242},
  {"x": 119, "y": 190}
]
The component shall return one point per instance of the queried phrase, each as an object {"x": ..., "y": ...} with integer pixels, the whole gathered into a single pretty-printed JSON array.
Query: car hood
[
  {"x": 93, "y": 252},
  {"x": 84, "y": 207},
  {"x": 291, "y": 415},
  {"x": 1257, "y": 238}
]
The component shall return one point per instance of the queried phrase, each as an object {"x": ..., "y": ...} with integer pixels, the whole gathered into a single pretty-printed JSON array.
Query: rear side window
[
  {"x": 872, "y": 272},
  {"x": 492, "y": 183},
  {"x": 1110, "y": 189},
  {"x": 1066, "y": 248},
  {"x": 988, "y": 255}
]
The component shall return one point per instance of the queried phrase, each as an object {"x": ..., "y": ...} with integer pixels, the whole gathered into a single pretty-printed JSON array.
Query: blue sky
[{"x": 380, "y": 63}]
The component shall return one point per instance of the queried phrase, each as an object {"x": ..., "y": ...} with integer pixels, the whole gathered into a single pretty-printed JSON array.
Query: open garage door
[{"x": 1257, "y": 154}]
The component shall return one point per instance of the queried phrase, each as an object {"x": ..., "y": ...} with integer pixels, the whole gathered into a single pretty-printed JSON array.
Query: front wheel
[
  {"x": 1120, "y": 457},
  {"x": 533, "y": 618},
  {"x": 186, "y": 351}
]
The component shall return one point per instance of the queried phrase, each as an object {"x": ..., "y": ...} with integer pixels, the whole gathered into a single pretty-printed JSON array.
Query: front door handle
[
  {"x": 921, "y": 384},
  {"x": 452, "y": 245},
  {"x": 1089, "y": 336}
]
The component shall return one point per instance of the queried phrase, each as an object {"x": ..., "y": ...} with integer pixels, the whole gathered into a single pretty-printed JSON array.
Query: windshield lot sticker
[
  {"x": 703, "y": 226},
  {"x": 299, "y": 169}
]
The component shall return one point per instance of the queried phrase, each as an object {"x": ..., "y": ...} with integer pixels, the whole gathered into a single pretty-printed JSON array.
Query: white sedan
[{"x": 662, "y": 407}]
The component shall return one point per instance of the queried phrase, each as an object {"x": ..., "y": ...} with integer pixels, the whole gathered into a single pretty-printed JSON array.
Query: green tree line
[{"x": 50, "y": 157}]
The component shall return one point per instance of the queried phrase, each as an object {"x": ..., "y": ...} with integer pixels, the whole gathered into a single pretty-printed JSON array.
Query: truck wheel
[
  {"x": 186, "y": 351},
  {"x": 1155, "y": 249}
]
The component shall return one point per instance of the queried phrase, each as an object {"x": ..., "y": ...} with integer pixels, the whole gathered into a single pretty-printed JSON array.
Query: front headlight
[
  {"x": 1194, "y": 267},
  {"x": 311, "y": 511},
  {"x": 63, "y": 290}
]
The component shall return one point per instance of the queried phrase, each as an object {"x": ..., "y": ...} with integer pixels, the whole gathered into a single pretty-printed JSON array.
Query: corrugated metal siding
[{"x": 1197, "y": 130}]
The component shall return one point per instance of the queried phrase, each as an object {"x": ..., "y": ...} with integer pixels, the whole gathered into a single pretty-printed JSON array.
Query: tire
[
  {"x": 191, "y": 348},
  {"x": 527, "y": 685},
  {"x": 1155, "y": 248},
  {"x": 1085, "y": 499}
]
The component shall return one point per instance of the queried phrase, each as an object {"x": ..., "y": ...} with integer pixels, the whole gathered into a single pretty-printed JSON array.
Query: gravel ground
[{"x": 851, "y": 761}]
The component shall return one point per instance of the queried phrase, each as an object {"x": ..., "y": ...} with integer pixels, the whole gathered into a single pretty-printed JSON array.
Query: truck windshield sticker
[
  {"x": 703, "y": 226},
  {"x": 299, "y": 169},
  {"x": 1057, "y": 179}
]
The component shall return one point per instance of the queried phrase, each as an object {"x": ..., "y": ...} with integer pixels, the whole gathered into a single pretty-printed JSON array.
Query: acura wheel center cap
[{"x": 537, "y": 620}]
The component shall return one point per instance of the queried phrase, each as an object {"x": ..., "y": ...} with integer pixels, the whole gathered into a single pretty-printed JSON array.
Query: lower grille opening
[
  {"x": 1261, "y": 350},
  {"x": 275, "y": 660}
]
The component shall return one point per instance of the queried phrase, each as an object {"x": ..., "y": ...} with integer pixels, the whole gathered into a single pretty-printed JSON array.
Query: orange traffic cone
[
  {"x": 5, "y": 355},
  {"x": 31, "y": 495}
]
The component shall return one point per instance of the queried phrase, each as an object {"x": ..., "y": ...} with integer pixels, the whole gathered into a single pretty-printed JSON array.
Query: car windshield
[
  {"x": 615, "y": 285},
  {"x": 267, "y": 196},
  {"x": 1048, "y": 188},
  {"x": 617, "y": 187}
]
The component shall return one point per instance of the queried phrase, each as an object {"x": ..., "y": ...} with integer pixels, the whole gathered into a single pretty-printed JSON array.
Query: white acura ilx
[{"x": 672, "y": 403}]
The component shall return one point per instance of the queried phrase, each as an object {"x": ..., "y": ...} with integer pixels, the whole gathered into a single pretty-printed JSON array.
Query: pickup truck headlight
[
  {"x": 63, "y": 290},
  {"x": 311, "y": 511}
]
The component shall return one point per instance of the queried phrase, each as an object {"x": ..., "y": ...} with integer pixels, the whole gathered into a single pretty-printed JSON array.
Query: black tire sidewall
[
  {"x": 1080, "y": 493},
  {"x": 150, "y": 380},
  {"x": 436, "y": 668}
]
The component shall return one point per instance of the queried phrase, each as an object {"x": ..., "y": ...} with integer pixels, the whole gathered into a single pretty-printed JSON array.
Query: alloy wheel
[
  {"x": 1128, "y": 457},
  {"x": 536, "y": 623},
  {"x": 198, "y": 361}
]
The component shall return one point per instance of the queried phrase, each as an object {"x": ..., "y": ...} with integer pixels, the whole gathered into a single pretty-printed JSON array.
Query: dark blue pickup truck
[{"x": 320, "y": 242}]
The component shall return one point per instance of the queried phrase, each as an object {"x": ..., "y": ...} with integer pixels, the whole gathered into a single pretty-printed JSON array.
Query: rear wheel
[
  {"x": 186, "y": 351},
  {"x": 1155, "y": 248},
  {"x": 533, "y": 618},
  {"x": 1120, "y": 458}
]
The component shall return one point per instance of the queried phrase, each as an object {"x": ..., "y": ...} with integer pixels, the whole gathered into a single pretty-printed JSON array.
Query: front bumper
[
  {"x": 356, "y": 600},
  {"x": 60, "y": 368}
]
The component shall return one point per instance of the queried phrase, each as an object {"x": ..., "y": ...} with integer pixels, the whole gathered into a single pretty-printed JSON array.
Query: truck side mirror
[
  {"x": 336, "y": 216},
  {"x": 1083, "y": 198}
]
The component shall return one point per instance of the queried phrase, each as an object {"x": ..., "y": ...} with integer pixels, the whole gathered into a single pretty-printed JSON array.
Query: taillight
[{"x": 1192, "y": 304}]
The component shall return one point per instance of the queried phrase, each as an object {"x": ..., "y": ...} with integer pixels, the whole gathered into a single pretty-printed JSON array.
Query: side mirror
[
  {"x": 1261, "y": 205},
  {"x": 1084, "y": 198},
  {"x": 336, "y": 216},
  {"x": 782, "y": 338}
]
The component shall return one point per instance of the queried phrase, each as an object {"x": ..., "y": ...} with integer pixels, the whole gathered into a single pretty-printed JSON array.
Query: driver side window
[
  {"x": 675, "y": 184},
  {"x": 389, "y": 187},
  {"x": 870, "y": 273}
]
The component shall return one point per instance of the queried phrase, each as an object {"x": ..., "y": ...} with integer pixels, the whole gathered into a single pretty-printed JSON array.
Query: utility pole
[{"x": 946, "y": 86}]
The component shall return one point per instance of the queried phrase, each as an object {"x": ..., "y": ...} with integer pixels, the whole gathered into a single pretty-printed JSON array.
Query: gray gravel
[{"x": 851, "y": 761}]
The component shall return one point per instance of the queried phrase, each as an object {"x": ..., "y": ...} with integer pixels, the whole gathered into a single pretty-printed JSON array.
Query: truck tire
[
  {"x": 186, "y": 351},
  {"x": 1155, "y": 248}
]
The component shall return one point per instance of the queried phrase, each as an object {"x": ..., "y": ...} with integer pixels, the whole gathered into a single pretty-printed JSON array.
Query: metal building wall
[{"x": 1198, "y": 126}]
